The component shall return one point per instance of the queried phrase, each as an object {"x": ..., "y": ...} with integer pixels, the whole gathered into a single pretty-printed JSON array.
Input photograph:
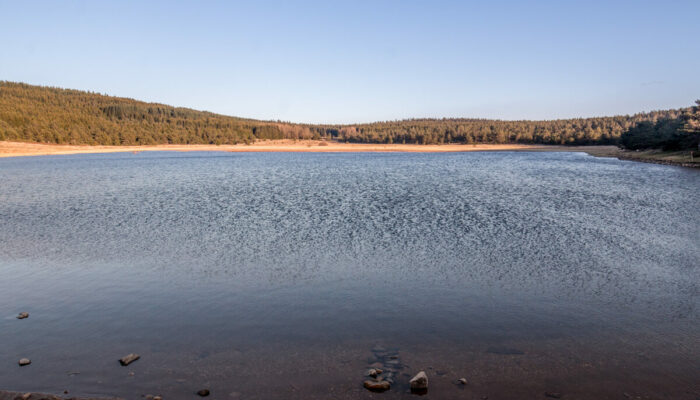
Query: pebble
[
  {"x": 419, "y": 382},
  {"x": 24, "y": 361},
  {"x": 203, "y": 392},
  {"x": 26, "y": 396},
  {"x": 374, "y": 372},
  {"x": 377, "y": 386},
  {"x": 126, "y": 360},
  {"x": 23, "y": 315},
  {"x": 463, "y": 381},
  {"x": 157, "y": 398}
]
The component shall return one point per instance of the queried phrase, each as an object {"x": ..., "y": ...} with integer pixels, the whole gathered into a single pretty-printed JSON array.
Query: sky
[{"x": 362, "y": 61}]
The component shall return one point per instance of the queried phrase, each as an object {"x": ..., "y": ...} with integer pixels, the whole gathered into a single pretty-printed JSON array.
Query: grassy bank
[{"x": 685, "y": 158}]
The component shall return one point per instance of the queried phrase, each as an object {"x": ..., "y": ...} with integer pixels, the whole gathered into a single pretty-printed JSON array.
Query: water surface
[{"x": 283, "y": 275}]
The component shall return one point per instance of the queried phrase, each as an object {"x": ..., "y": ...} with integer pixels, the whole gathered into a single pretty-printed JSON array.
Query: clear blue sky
[{"x": 357, "y": 61}]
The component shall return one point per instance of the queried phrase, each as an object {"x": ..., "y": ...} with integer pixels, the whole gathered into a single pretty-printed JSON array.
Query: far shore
[
  {"x": 21, "y": 149},
  {"x": 17, "y": 149}
]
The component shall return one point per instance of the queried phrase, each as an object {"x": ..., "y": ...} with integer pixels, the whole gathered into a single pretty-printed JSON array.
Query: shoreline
[
  {"x": 21, "y": 149},
  {"x": 25, "y": 149}
]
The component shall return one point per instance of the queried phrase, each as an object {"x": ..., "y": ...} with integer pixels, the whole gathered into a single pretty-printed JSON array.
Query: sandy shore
[
  {"x": 16, "y": 149},
  {"x": 20, "y": 149}
]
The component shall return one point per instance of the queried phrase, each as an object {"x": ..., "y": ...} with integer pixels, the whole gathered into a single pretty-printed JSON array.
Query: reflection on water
[{"x": 274, "y": 275}]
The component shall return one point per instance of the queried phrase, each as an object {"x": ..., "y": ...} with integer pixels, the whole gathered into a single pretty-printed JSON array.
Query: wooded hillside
[{"x": 53, "y": 115}]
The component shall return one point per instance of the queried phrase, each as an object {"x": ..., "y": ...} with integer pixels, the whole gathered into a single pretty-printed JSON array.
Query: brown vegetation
[{"x": 60, "y": 116}]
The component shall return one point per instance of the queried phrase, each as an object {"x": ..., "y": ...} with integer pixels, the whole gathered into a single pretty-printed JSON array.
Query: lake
[{"x": 286, "y": 275}]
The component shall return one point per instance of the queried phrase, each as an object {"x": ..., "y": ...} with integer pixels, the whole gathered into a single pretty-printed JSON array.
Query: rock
[
  {"x": 149, "y": 397},
  {"x": 24, "y": 361},
  {"x": 553, "y": 395},
  {"x": 376, "y": 365},
  {"x": 374, "y": 372},
  {"x": 157, "y": 398},
  {"x": 126, "y": 360},
  {"x": 23, "y": 315},
  {"x": 377, "y": 386},
  {"x": 419, "y": 383},
  {"x": 203, "y": 392},
  {"x": 26, "y": 396},
  {"x": 463, "y": 381}
]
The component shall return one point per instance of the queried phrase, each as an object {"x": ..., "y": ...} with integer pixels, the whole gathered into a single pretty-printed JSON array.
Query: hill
[{"x": 53, "y": 115}]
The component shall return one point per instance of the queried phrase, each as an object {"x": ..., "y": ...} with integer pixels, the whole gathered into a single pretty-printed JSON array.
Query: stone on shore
[
  {"x": 374, "y": 372},
  {"x": 377, "y": 386},
  {"x": 419, "y": 383},
  {"x": 463, "y": 381},
  {"x": 126, "y": 360},
  {"x": 24, "y": 361},
  {"x": 203, "y": 392},
  {"x": 23, "y": 315}
]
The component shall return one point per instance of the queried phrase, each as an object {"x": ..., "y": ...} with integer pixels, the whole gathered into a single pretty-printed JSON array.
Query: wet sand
[
  {"x": 16, "y": 149},
  {"x": 596, "y": 370}
]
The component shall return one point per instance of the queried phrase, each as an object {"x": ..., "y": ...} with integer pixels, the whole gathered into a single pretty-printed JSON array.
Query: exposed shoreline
[
  {"x": 10, "y": 395},
  {"x": 22, "y": 149}
]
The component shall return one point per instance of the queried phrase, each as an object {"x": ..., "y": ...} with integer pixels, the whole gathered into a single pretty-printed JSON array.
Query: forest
[
  {"x": 672, "y": 133},
  {"x": 53, "y": 115}
]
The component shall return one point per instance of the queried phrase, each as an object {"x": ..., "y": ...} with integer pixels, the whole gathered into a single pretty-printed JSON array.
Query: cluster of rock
[{"x": 385, "y": 365}]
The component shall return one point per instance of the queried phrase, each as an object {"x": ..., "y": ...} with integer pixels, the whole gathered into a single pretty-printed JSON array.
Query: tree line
[
  {"x": 672, "y": 133},
  {"x": 63, "y": 116}
]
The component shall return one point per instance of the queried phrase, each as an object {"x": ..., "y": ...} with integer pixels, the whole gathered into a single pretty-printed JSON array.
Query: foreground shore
[{"x": 21, "y": 149}]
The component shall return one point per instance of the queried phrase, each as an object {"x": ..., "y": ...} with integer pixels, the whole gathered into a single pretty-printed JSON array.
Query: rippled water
[{"x": 280, "y": 275}]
